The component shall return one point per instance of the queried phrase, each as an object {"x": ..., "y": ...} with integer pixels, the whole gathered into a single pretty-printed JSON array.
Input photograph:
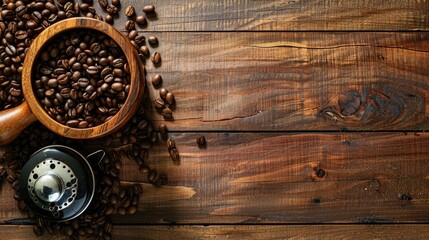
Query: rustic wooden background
[{"x": 280, "y": 88}]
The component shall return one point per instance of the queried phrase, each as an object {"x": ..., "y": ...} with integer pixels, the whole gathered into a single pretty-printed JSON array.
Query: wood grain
[
  {"x": 284, "y": 15},
  {"x": 277, "y": 178},
  {"x": 282, "y": 81},
  {"x": 345, "y": 232}
]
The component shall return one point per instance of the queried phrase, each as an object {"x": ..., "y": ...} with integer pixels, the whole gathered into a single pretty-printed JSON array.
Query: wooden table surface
[{"x": 285, "y": 91}]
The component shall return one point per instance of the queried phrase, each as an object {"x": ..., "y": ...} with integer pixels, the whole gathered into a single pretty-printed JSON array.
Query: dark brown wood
[
  {"x": 260, "y": 232},
  {"x": 271, "y": 81},
  {"x": 281, "y": 178},
  {"x": 275, "y": 232},
  {"x": 283, "y": 15},
  {"x": 137, "y": 84}
]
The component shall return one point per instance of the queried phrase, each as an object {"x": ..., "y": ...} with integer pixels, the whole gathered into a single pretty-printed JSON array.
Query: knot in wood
[{"x": 349, "y": 103}]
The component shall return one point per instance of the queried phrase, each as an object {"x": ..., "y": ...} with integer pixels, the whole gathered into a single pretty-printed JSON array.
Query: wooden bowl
[{"x": 13, "y": 121}]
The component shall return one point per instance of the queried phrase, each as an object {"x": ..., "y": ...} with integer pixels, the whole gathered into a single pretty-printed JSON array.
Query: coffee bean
[
  {"x": 174, "y": 154},
  {"x": 21, "y": 35},
  {"x": 129, "y": 25},
  {"x": 72, "y": 123},
  {"x": 129, "y": 11},
  {"x": 92, "y": 70},
  {"x": 122, "y": 211},
  {"x": 116, "y": 3},
  {"x": 169, "y": 98},
  {"x": 141, "y": 20},
  {"x": 52, "y": 83},
  {"x": 163, "y": 93},
  {"x": 159, "y": 103},
  {"x": 3, "y": 172},
  {"x": 112, "y": 10},
  {"x": 156, "y": 80},
  {"x": 10, "y": 50},
  {"x": 171, "y": 143},
  {"x": 201, "y": 141},
  {"x": 153, "y": 41},
  {"x": 109, "y": 19},
  {"x": 148, "y": 9},
  {"x": 144, "y": 50},
  {"x": 37, "y": 230},
  {"x": 155, "y": 57},
  {"x": 132, "y": 210},
  {"x": 103, "y": 3},
  {"x": 167, "y": 113},
  {"x": 109, "y": 210}
]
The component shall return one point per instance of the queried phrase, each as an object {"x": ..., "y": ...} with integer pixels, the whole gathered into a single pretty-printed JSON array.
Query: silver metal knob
[{"x": 49, "y": 187}]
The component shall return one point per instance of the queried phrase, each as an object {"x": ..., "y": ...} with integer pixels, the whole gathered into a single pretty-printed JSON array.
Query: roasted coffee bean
[
  {"x": 72, "y": 123},
  {"x": 153, "y": 176},
  {"x": 3, "y": 172},
  {"x": 163, "y": 93},
  {"x": 167, "y": 113},
  {"x": 171, "y": 143},
  {"x": 109, "y": 19},
  {"x": 141, "y": 20},
  {"x": 103, "y": 3},
  {"x": 155, "y": 57},
  {"x": 129, "y": 25},
  {"x": 132, "y": 210},
  {"x": 152, "y": 40},
  {"x": 129, "y": 11},
  {"x": 144, "y": 50},
  {"x": 37, "y": 230},
  {"x": 156, "y": 80},
  {"x": 122, "y": 211},
  {"x": 112, "y": 10},
  {"x": 169, "y": 98},
  {"x": 174, "y": 154},
  {"x": 109, "y": 210},
  {"x": 137, "y": 189},
  {"x": 116, "y": 3},
  {"x": 159, "y": 103},
  {"x": 148, "y": 9},
  {"x": 92, "y": 70}
]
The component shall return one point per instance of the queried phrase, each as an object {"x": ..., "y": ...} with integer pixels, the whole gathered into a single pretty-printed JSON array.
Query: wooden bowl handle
[{"x": 13, "y": 121}]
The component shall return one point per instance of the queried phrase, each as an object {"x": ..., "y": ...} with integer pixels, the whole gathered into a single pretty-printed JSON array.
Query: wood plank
[
  {"x": 284, "y": 15},
  {"x": 274, "y": 232},
  {"x": 272, "y": 178},
  {"x": 285, "y": 81},
  {"x": 263, "y": 232}
]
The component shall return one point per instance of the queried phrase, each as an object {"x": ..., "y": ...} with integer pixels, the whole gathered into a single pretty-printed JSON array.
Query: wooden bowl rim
[{"x": 137, "y": 83}]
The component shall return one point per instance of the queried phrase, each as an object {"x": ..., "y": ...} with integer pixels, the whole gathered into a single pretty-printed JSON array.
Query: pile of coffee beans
[
  {"x": 20, "y": 22},
  {"x": 82, "y": 78}
]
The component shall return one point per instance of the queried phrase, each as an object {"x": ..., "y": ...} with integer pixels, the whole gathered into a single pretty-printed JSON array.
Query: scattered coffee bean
[
  {"x": 171, "y": 143},
  {"x": 159, "y": 103},
  {"x": 144, "y": 50},
  {"x": 130, "y": 11},
  {"x": 156, "y": 80},
  {"x": 153, "y": 41},
  {"x": 201, "y": 141},
  {"x": 148, "y": 9},
  {"x": 174, "y": 154},
  {"x": 141, "y": 20},
  {"x": 163, "y": 93},
  {"x": 167, "y": 113},
  {"x": 169, "y": 98},
  {"x": 109, "y": 19},
  {"x": 155, "y": 57}
]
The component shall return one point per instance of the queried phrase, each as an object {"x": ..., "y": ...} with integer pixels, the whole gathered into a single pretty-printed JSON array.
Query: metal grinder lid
[{"x": 57, "y": 183}]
